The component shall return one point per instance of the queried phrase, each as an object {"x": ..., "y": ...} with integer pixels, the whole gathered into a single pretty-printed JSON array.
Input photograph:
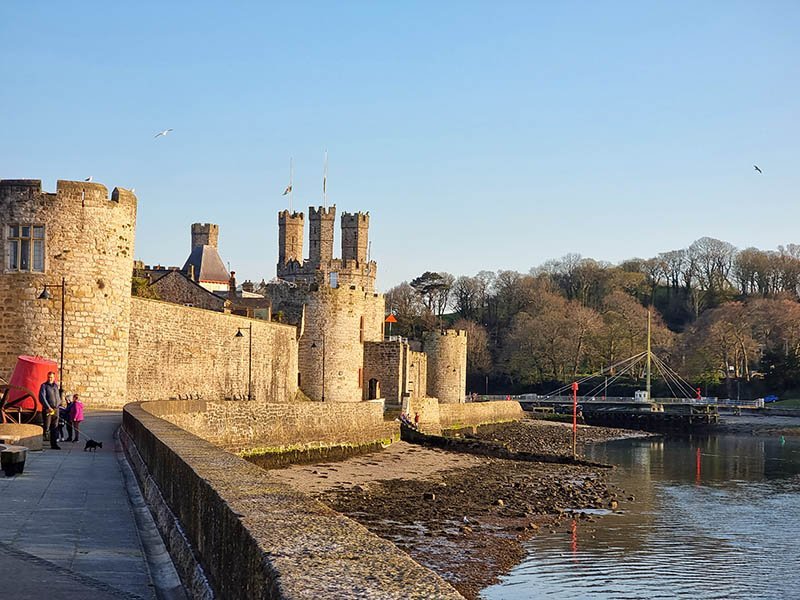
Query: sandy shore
[{"x": 464, "y": 516}]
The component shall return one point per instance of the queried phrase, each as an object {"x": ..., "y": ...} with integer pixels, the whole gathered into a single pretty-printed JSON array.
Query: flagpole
[
  {"x": 325, "y": 182},
  {"x": 291, "y": 184}
]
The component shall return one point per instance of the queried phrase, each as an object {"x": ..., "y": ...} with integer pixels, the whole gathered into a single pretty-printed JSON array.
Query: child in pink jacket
[{"x": 75, "y": 411}]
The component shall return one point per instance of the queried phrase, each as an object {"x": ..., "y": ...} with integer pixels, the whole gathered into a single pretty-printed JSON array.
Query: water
[{"x": 715, "y": 516}]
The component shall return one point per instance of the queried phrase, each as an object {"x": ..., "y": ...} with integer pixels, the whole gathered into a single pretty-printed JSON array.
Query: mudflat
[{"x": 466, "y": 517}]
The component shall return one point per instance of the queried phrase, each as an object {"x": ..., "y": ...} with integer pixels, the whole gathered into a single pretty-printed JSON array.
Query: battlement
[
  {"x": 353, "y": 219},
  {"x": 285, "y": 215},
  {"x": 84, "y": 192},
  {"x": 316, "y": 212},
  {"x": 21, "y": 185},
  {"x": 449, "y": 333}
]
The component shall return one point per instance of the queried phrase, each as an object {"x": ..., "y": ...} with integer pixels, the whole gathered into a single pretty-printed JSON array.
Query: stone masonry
[
  {"x": 88, "y": 241},
  {"x": 447, "y": 364}
]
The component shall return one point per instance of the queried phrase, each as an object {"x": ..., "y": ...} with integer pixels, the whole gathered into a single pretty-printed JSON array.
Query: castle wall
[
  {"x": 473, "y": 414},
  {"x": 337, "y": 323},
  {"x": 384, "y": 362},
  {"x": 89, "y": 241},
  {"x": 417, "y": 373},
  {"x": 253, "y": 428},
  {"x": 447, "y": 364},
  {"x": 182, "y": 352}
]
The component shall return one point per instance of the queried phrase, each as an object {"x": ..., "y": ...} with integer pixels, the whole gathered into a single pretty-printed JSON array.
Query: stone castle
[{"x": 119, "y": 348}]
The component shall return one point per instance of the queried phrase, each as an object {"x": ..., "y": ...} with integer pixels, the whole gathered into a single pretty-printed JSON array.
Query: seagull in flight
[
  {"x": 89, "y": 178},
  {"x": 164, "y": 133},
  {"x": 756, "y": 168}
]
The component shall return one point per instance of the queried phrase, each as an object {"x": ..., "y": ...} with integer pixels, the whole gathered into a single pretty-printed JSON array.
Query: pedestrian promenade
[{"x": 67, "y": 525}]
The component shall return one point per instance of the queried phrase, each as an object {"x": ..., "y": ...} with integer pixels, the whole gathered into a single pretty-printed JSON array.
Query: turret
[
  {"x": 320, "y": 234},
  {"x": 205, "y": 234},
  {"x": 355, "y": 230},
  {"x": 290, "y": 237}
]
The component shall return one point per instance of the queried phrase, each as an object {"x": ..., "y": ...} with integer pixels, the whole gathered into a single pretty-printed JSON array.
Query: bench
[{"x": 12, "y": 459}]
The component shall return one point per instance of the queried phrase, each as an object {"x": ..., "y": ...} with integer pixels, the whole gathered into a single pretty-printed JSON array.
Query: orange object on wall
[{"x": 29, "y": 375}]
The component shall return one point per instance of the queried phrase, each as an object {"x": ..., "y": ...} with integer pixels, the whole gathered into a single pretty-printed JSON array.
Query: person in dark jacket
[{"x": 50, "y": 398}]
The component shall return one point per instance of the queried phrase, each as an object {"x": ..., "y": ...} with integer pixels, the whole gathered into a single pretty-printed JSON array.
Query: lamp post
[
  {"x": 45, "y": 295},
  {"x": 314, "y": 345},
  {"x": 249, "y": 358}
]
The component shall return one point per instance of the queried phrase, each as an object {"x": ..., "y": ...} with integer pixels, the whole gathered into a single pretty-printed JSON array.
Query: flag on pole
[{"x": 288, "y": 189}]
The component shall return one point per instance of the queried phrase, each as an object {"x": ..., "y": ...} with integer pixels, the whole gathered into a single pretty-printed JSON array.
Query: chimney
[{"x": 232, "y": 285}]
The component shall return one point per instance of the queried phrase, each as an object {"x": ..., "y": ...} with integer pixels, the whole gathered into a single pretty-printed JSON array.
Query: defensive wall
[
  {"x": 183, "y": 352},
  {"x": 237, "y": 529},
  {"x": 253, "y": 428},
  {"x": 435, "y": 417}
]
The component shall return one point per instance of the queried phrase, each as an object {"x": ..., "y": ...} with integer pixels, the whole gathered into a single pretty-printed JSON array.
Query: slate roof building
[{"x": 204, "y": 265}]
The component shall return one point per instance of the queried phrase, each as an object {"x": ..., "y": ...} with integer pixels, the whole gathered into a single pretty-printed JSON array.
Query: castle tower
[
  {"x": 205, "y": 234},
  {"x": 83, "y": 236},
  {"x": 447, "y": 364},
  {"x": 320, "y": 234},
  {"x": 337, "y": 324},
  {"x": 290, "y": 237},
  {"x": 355, "y": 229}
]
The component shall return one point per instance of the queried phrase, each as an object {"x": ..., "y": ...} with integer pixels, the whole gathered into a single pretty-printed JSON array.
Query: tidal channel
[{"x": 713, "y": 516}]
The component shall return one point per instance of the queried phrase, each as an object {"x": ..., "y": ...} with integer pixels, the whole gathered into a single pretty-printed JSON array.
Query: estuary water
[{"x": 714, "y": 516}]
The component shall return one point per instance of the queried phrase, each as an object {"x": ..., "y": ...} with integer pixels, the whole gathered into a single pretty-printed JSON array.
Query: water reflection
[{"x": 713, "y": 517}]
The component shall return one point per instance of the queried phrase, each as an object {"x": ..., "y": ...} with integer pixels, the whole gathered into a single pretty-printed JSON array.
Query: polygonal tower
[
  {"x": 337, "y": 323},
  {"x": 320, "y": 234},
  {"x": 447, "y": 364},
  {"x": 290, "y": 237},
  {"x": 82, "y": 237},
  {"x": 205, "y": 234},
  {"x": 355, "y": 231}
]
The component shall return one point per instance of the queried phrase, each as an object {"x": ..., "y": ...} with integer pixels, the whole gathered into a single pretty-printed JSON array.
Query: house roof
[{"x": 208, "y": 265}]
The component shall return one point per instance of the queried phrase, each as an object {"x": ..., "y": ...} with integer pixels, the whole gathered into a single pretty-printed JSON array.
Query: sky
[{"x": 478, "y": 135}]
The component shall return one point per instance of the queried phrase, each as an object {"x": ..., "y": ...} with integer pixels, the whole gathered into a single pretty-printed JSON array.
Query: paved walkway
[{"x": 71, "y": 520}]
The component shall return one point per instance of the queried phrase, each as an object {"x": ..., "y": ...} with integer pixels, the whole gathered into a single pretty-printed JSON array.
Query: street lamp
[
  {"x": 314, "y": 345},
  {"x": 45, "y": 295},
  {"x": 249, "y": 358}
]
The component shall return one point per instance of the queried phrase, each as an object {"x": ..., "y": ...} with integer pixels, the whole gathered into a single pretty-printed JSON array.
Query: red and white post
[{"x": 574, "y": 420}]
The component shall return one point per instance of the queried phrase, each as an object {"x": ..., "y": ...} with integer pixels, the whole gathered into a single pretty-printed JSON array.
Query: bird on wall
[
  {"x": 756, "y": 168},
  {"x": 162, "y": 133},
  {"x": 89, "y": 178}
]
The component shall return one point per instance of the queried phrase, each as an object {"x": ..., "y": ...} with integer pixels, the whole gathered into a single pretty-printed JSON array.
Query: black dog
[{"x": 92, "y": 445}]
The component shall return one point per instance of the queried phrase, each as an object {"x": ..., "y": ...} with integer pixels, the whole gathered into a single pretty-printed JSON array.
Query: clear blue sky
[{"x": 478, "y": 135}]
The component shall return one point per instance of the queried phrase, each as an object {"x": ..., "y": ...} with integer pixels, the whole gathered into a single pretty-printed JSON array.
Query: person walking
[
  {"x": 49, "y": 399},
  {"x": 75, "y": 418}
]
